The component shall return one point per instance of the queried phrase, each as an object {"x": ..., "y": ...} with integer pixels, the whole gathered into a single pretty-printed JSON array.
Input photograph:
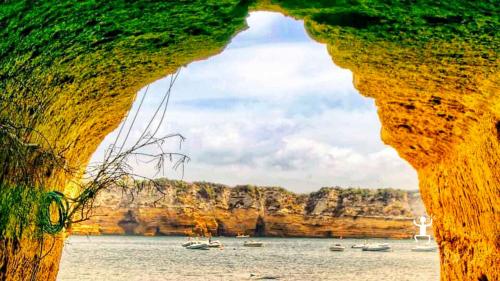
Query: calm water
[{"x": 163, "y": 258}]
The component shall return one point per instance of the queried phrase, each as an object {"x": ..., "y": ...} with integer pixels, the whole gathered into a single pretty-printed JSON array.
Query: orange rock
[{"x": 204, "y": 208}]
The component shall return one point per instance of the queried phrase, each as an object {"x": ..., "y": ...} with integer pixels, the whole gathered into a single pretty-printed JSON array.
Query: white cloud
[
  {"x": 261, "y": 22},
  {"x": 271, "y": 71},
  {"x": 275, "y": 113}
]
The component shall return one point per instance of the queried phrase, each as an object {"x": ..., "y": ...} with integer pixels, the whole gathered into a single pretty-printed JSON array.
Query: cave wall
[
  {"x": 432, "y": 69},
  {"x": 440, "y": 114}
]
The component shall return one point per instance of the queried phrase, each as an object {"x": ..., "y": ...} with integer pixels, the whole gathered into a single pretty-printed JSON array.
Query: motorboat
[
  {"x": 189, "y": 243},
  {"x": 198, "y": 246},
  {"x": 252, "y": 244},
  {"x": 214, "y": 244},
  {"x": 337, "y": 247},
  {"x": 381, "y": 247},
  {"x": 242, "y": 236},
  {"x": 424, "y": 248}
]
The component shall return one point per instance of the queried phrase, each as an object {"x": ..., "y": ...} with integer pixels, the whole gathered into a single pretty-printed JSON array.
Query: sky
[{"x": 272, "y": 109}]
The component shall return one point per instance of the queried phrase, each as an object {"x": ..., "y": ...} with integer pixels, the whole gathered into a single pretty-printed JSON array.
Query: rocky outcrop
[{"x": 202, "y": 208}]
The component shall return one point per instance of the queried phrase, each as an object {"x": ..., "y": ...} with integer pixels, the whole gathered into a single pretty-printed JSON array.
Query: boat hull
[
  {"x": 202, "y": 246},
  {"x": 215, "y": 244},
  {"x": 336, "y": 249},
  {"x": 377, "y": 248},
  {"x": 424, "y": 249},
  {"x": 255, "y": 245},
  {"x": 189, "y": 243}
]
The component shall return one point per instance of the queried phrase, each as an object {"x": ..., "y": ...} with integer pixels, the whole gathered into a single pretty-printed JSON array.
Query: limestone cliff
[{"x": 201, "y": 208}]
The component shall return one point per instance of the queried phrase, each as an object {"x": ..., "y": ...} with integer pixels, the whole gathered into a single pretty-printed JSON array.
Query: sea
[{"x": 137, "y": 258}]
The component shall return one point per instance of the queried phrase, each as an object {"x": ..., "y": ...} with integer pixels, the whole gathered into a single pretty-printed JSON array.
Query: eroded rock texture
[
  {"x": 439, "y": 109},
  {"x": 206, "y": 208},
  {"x": 431, "y": 66}
]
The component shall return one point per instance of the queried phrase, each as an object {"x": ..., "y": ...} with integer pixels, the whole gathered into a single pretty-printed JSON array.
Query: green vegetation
[
  {"x": 252, "y": 190},
  {"x": 18, "y": 209},
  {"x": 25, "y": 168},
  {"x": 407, "y": 22}
]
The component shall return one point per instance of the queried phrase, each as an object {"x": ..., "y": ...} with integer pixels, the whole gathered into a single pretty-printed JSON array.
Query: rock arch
[{"x": 435, "y": 84}]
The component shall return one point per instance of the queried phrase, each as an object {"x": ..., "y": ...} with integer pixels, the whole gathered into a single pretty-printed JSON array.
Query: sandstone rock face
[
  {"x": 213, "y": 209},
  {"x": 431, "y": 66}
]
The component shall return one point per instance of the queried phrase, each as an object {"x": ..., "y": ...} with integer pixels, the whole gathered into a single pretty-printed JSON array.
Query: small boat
[
  {"x": 252, "y": 244},
  {"x": 382, "y": 247},
  {"x": 198, "y": 246},
  {"x": 337, "y": 247},
  {"x": 189, "y": 243},
  {"x": 242, "y": 236},
  {"x": 215, "y": 244},
  {"x": 424, "y": 248}
]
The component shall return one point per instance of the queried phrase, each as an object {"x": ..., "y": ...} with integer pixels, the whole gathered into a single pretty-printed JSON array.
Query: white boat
[
  {"x": 252, "y": 244},
  {"x": 188, "y": 243},
  {"x": 242, "y": 236},
  {"x": 198, "y": 246},
  {"x": 382, "y": 247},
  {"x": 424, "y": 248},
  {"x": 337, "y": 247},
  {"x": 215, "y": 244}
]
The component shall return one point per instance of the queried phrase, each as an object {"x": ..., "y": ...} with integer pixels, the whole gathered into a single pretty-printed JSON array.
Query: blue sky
[{"x": 273, "y": 109}]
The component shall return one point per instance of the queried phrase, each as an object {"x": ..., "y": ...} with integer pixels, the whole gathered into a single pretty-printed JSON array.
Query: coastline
[{"x": 207, "y": 209}]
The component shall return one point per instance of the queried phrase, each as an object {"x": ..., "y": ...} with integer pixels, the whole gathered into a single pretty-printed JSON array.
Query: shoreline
[{"x": 251, "y": 237}]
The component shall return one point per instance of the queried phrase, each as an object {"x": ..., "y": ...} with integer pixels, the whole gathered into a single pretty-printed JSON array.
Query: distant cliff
[{"x": 202, "y": 208}]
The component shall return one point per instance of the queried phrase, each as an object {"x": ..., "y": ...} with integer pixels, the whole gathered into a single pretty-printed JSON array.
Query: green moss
[
  {"x": 406, "y": 22},
  {"x": 18, "y": 209},
  {"x": 346, "y": 19}
]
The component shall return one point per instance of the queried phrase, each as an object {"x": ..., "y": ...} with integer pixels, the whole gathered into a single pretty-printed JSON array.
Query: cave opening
[
  {"x": 266, "y": 108},
  {"x": 271, "y": 110},
  {"x": 260, "y": 227}
]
